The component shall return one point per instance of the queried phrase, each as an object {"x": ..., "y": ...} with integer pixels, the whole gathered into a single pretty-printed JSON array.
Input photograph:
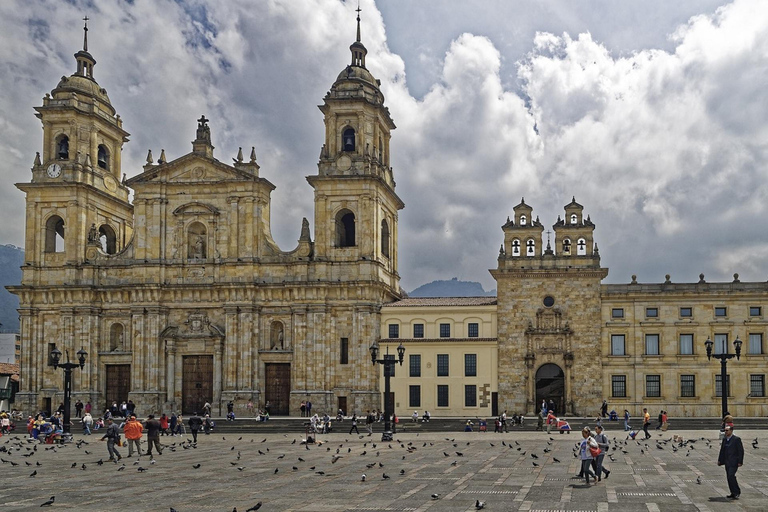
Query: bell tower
[
  {"x": 356, "y": 207},
  {"x": 77, "y": 201}
]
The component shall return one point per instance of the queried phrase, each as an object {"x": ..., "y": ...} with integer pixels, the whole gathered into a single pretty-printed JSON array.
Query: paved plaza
[{"x": 277, "y": 470}]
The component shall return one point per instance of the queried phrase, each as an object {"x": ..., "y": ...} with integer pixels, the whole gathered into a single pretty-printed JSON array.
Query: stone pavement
[{"x": 279, "y": 471}]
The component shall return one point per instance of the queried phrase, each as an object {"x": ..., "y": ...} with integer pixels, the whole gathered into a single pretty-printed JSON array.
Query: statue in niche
[
  {"x": 277, "y": 336},
  {"x": 198, "y": 247},
  {"x": 93, "y": 234}
]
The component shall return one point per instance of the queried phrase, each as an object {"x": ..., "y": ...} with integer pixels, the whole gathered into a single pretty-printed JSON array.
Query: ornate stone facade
[{"x": 182, "y": 297}]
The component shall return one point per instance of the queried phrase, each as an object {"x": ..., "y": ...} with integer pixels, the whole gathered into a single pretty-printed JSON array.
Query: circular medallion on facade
[
  {"x": 549, "y": 301},
  {"x": 343, "y": 163},
  {"x": 110, "y": 183}
]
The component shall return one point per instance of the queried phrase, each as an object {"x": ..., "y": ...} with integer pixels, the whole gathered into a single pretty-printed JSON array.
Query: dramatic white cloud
[{"x": 653, "y": 116}]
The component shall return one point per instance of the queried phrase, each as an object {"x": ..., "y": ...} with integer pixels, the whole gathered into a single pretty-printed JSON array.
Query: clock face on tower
[{"x": 54, "y": 171}]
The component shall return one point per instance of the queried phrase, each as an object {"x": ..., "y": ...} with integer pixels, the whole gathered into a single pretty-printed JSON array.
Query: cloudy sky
[{"x": 653, "y": 114}]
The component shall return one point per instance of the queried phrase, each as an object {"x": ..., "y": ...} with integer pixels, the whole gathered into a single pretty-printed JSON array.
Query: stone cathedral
[{"x": 182, "y": 297}]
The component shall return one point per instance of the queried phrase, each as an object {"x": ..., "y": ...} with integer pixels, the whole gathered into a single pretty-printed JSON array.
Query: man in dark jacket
[
  {"x": 732, "y": 457},
  {"x": 153, "y": 434},
  {"x": 112, "y": 436},
  {"x": 194, "y": 425}
]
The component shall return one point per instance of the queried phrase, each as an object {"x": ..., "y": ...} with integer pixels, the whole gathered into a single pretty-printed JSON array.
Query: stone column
[
  {"x": 231, "y": 332},
  {"x": 170, "y": 370},
  {"x": 218, "y": 348}
]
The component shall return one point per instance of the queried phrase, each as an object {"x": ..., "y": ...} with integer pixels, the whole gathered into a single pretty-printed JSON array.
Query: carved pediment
[
  {"x": 191, "y": 168},
  {"x": 196, "y": 209},
  {"x": 548, "y": 321}
]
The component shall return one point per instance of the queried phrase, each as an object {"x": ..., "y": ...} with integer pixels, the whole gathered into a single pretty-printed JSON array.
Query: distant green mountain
[
  {"x": 451, "y": 288},
  {"x": 11, "y": 260}
]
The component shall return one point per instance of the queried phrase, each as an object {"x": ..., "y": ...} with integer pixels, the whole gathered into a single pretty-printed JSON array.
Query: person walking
[
  {"x": 87, "y": 423},
  {"x": 604, "y": 409},
  {"x": 354, "y": 424},
  {"x": 164, "y": 424},
  {"x": 78, "y": 409},
  {"x": 369, "y": 419},
  {"x": 732, "y": 457},
  {"x": 646, "y": 422},
  {"x": 112, "y": 436},
  {"x": 153, "y": 435},
  {"x": 195, "y": 422},
  {"x": 172, "y": 423},
  {"x": 586, "y": 456},
  {"x": 133, "y": 431},
  {"x": 626, "y": 420},
  {"x": 551, "y": 420},
  {"x": 602, "y": 442},
  {"x": 207, "y": 424},
  {"x": 544, "y": 407}
]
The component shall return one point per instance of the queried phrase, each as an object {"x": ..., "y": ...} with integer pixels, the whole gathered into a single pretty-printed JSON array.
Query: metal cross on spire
[
  {"x": 358, "y": 20},
  {"x": 85, "y": 34}
]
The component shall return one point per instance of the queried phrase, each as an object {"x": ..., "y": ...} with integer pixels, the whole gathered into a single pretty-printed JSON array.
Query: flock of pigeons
[{"x": 22, "y": 450}]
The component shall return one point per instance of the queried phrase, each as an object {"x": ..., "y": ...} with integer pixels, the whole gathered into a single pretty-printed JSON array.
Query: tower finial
[
  {"x": 85, "y": 34},
  {"x": 358, "y": 20}
]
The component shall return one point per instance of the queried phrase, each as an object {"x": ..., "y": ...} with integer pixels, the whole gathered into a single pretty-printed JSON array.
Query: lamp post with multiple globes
[
  {"x": 724, "y": 357},
  {"x": 388, "y": 362},
  {"x": 68, "y": 367}
]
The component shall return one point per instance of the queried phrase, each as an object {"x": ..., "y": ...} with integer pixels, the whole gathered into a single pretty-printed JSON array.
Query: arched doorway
[{"x": 550, "y": 385}]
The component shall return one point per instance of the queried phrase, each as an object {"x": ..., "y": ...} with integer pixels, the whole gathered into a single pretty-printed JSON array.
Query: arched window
[
  {"x": 54, "y": 234},
  {"x": 116, "y": 341},
  {"x": 567, "y": 246},
  {"x": 103, "y": 157},
  {"x": 348, "y": 140},
  {"x": 523, "y": 220},
  {"x": 62, "y": 147},
  {"x": 276, "y": 336},
  {"x": 385, "y": 238},
  {"x": 108, "y": 239},
  {"x": 345, "y": 229},
  {"x": 515, "y": 247},
  {"x": 197, "y": 242},
  {"x": 574, "y": 218},
  {"x": 530, "y": 247},
  {"x": 581, "y": 247}
]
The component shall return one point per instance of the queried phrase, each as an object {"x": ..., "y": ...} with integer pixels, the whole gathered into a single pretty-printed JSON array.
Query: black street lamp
[
  {"x": 389, "y": 370},
  {"x": 724, "y": 357},
  {"x": 68, "y": 367}
]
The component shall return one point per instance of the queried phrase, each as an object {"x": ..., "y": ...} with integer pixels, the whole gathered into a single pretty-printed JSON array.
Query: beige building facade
[{"x": 181, "y": 296}]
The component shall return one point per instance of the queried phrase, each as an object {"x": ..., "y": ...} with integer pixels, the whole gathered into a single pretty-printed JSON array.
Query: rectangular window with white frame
[
  {"x": 755, "y": 346},
  {"x": 652, "y": 344},
  {"x": 686, "y": 344},
  {"x": 445, "y": 330},
  {"x": 470, "y": 365},
  {"x": 618, "y": 345},
  {"x": 757, "y": 385},
  {"x": 394, "y": 331},
  {"x": 473, "y": 330},
  {"x": 418, "y": 330}
]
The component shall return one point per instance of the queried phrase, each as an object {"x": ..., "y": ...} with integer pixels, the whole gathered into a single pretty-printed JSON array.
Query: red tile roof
[{"x": 10, "y": 369}]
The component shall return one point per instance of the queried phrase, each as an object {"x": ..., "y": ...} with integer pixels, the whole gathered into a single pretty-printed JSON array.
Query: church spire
[
  {"x": 85, "y": 60},
  {"x": 357, "y": 48},
  {"x": 85, "y": 34}
]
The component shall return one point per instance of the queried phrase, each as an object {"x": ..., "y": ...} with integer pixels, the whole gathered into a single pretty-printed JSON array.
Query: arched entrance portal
[{"x": 550, "y": 385}]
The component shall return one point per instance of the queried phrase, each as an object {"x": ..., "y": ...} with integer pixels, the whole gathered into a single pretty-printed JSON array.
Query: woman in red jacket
[{"x": 163, "y": 425}]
